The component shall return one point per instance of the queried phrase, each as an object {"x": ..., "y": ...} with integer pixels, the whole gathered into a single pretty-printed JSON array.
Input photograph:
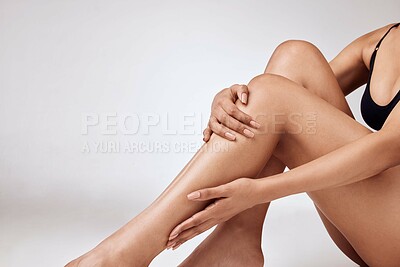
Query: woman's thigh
[
  {"x": 367, "y": 212},
  {"x": 316, "y": 75}
]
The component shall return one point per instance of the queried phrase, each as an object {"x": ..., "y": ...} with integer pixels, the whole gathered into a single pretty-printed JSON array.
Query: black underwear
[{"x": 373, "y": 114}]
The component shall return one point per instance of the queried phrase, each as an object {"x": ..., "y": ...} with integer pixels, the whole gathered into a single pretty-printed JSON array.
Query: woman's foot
[
  {"x": 104, "y": 255},
  {"x": 95, "y": 257},
  {"x": 227, "y": 245},
  {"x": 130, "y": 246}
]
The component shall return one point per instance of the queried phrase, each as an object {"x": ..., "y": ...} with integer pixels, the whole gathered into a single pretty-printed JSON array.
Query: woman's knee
[
  {"x": 268, "y": 83},
  {"x": 290, "y": 58},
  {"x": 265, "y": 92},
  {"x": 277, "y": 104},
  {"x": 294, "y": 49},
  {"x": 303, "y": 63},
  {"x": 270, "y": 91}
]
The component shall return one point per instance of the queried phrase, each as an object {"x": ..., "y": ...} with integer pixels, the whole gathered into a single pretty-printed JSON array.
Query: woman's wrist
[{"x": 272, "y": 187}]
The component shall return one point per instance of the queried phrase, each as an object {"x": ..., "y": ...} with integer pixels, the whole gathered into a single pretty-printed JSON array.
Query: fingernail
[
  {"x": 173, "y": 235},
  {"x": 171, "y": 246},
  {"x": 230, "y": 136},
  {"x": 248, "y": 133},
  {"x": 193, "y": 195},
  {"x": 244, "y": 98},
  {"x": 255, "y": 124}
]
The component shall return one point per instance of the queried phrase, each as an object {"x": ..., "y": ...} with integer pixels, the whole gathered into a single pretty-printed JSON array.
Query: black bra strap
[{"x": 380, "y": 41}]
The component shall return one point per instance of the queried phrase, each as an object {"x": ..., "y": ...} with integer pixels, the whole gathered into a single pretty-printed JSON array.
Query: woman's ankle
[{"x": 245, "y": 232}]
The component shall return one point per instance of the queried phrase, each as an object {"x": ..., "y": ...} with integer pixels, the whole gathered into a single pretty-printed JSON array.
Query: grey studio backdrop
[{"x": 78, "y": 77}]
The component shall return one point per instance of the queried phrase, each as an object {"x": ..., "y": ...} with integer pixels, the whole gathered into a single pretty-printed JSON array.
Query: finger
[
  {"x": 242, "y": 92},
  {"x": 207, "y": 134},
  {"x": 236, "y": 125},
  {"x": 191, "y": 233},
  {"x": 197, "y": 231},
  {"x": 209, "y": 193},
  {"x": 197, "y": 219},
  {"x": 221, "y": 130},
  {"x": 177, "y": 246},
  {"x": 194, "y": 231},
  {"x": 232, "y": 110},
  {"x": 187, "y": 224}
]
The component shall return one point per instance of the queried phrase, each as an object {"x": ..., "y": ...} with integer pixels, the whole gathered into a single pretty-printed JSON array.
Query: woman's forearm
[{"x": 353, "y": 162}]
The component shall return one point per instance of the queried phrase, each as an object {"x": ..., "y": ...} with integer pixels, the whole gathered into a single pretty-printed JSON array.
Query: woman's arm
[
  {"x": 348, "y": 164},
  {"x": 361, "y": 159},
  {"x": 349, "y": 68},
  {"x": 350, "y": 65},
  {"x": 372, "y": 154}
]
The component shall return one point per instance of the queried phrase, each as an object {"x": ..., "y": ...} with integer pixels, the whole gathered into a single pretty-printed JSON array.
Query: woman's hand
[
  {"x": 231, "y": 199},
  {"x": 226, "y": 118}
]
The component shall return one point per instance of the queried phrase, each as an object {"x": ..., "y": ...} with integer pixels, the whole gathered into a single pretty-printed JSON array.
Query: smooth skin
[
  {"x": 366, "y": 212},
  {"x": 350, "y": 71},
  {"x": 284, "y": 61}
]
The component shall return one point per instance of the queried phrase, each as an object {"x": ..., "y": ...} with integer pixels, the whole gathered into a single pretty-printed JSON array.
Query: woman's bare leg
[
  {"x": 304, "y": 64},
  {"x": 366, "y": 212},
  {"x": 354, "y": 212},
  {"x": 217, "y": 162},
  {"x": 351, "y": 210},
  {"x": 236, "y": 242}
]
